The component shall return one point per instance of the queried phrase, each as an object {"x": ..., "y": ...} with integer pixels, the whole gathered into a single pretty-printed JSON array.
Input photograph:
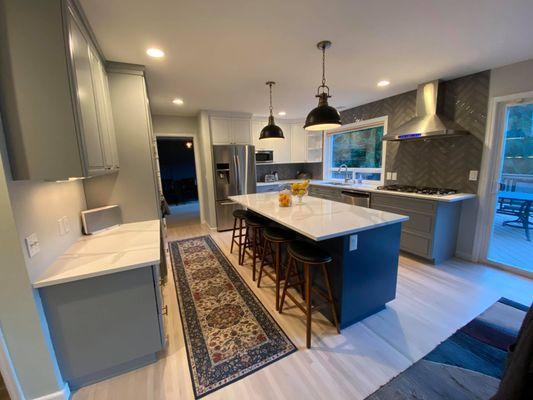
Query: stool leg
[
  {"x": 240, "y": 239},
  {"x": 263, "y": 260},
  {"x": 254, "y": 253},
  {"x": 289, "y": 270},
  {"x": 246, "y": 243},
  {"x": 233, "y": 234},
  {"x": 277, "y": 269},
  {"x": 330, "y": 295},
  {"x": 308, "y": 304}
]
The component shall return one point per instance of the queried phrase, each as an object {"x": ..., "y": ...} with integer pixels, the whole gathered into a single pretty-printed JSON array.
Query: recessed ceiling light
[
  {"x": 178, "y": 102},
  {"x": 282, "y": 113},
  {"x": 154, "y": 52},
  {"x": 383, "y": 83}
]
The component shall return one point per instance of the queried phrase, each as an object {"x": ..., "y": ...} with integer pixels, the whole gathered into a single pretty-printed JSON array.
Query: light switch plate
[
  {"x": 353, "y": 242},
  {"x": 389, "y": 176},
  {"x": 473, "y": 175},
  {"x": 61, "y": 226},
  {"x": 32, "y": 245},
  {"x": 66, "y": 224},
  {"x": 394, "y": 176}
]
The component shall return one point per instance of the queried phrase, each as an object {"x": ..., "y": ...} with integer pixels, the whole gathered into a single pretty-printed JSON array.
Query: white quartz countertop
[
  {"x": 125, "y": 247},
  {"x": 373, "y": 189},
  {"x": 318, "y": 219}
]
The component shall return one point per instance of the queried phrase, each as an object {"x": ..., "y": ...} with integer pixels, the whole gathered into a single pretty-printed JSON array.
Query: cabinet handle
[{"x": 164, "y": 310}]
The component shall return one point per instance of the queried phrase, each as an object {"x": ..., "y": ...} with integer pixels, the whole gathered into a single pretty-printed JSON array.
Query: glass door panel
[{"x": 511, "y": 241}]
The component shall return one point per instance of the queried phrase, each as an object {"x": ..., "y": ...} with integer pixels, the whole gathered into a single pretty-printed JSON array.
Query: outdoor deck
[{"x": 509, "y": 245}]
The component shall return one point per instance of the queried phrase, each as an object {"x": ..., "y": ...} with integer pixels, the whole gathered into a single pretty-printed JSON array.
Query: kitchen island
[{"x": 363, "y": 242}]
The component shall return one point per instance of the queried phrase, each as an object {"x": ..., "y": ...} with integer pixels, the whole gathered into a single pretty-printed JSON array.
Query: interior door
[{"x": 510, "y": 240}]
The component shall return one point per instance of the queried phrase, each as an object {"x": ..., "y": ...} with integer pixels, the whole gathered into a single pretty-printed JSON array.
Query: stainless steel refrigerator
[{"x": 234, "y": 167}]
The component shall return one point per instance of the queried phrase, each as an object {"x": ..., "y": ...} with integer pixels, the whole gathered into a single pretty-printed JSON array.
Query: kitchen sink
[{"x": 337, "y": 183}]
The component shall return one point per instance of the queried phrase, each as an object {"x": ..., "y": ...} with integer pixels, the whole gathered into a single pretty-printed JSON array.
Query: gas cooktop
[{"x": 432, "y": 191}]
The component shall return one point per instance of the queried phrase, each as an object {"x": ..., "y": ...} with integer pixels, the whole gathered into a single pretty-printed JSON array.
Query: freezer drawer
[{"x": 224, "y": 211}]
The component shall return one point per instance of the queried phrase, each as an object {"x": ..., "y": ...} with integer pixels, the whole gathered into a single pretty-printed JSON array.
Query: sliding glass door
[{"x": 511, "y": 237}]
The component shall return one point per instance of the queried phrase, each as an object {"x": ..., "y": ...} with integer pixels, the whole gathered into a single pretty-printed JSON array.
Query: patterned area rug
[
  {"x": 228, "y": 333},
  {"x": 468, "y": 365}
]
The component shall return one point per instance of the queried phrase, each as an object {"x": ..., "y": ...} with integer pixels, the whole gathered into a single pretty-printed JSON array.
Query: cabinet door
[
  {"x": 103, "y": 107},
  {"x": 282, "y": 147},
  {"x": 240, "y": 131},
  {"x": 257, "y": 127},
  {"x": 298, "y": 143},
  {"x": 89, "y": 127},
  {"x": 314, "y": 147},
  {"x": 220, "y": 130}
]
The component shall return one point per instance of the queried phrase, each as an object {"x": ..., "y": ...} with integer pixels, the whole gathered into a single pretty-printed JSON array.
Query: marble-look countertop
[
  {"x": 373, "y": 189},
  {"x": 125, "y": 247},
  {"x": 316, "y": 218}
]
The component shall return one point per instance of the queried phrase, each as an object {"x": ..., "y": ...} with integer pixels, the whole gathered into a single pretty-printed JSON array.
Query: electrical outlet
[
  {"x": 61, "y": 226},
  {"x": 472, "y": 176},
  {"x": 394, "y": 176},
  {"x": 66, "y": 224},
  {"x": 353, "y": 242},
  {"x": 389, "y": 176},
  {"x": 32, "y": 245}
]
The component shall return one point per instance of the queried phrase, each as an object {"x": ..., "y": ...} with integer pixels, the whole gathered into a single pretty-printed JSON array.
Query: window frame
[{"x": 358, "y": 125}]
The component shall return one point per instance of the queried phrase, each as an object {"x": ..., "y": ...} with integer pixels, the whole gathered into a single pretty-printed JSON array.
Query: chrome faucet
[{"x": 346, "y": 179}]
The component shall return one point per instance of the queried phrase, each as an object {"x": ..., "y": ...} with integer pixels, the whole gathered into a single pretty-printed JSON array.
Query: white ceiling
[{"x": 219, "y": 54}]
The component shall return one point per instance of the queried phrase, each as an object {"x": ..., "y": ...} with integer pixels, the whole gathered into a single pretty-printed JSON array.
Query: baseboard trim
[
  {"x": 63, "y": 394},
  {"x": 465, "y": 256}
]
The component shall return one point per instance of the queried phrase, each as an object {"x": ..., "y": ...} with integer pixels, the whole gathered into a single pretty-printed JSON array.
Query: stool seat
[
  {"x": 308, "y": 253},
  {"x": 241, "y": 214},
  {"x": 255, "y": 220},
  {"x": 277, "y": 234}
]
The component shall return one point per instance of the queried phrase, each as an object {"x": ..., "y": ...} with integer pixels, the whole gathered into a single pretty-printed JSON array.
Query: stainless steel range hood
[{"x": 427, "y": 123}]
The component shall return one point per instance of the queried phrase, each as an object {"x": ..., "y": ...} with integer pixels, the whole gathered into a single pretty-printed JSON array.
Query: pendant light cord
[
  {"x": 323, "y": 86},
  {"x": 270, "y": 85},
  {"x": 323, "y": 66}
]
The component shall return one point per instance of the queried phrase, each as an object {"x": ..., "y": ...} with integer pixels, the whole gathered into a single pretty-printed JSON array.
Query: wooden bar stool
[
  {"x": 252, "y": 238},
  {"x": 238, "y": 234},
  {"x": 274, "y": 238},
  {"x": 310, "y": 256}
]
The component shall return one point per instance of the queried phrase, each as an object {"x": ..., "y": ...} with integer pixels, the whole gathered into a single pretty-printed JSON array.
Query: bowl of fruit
[
  {"x": 285, "y": 198},
  {"x": 300, "y": 189}
]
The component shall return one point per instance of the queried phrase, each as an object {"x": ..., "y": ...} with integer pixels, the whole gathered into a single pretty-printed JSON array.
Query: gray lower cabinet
[
  {"x": 106, "y": 325},
  {"x": 268, "y": 188},
  {"x": 329, "y": 193},
  {"x": 431, "y": 231}
]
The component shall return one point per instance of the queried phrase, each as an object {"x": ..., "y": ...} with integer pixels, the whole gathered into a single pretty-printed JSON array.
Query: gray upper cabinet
[{"x": 54, "y": 94}]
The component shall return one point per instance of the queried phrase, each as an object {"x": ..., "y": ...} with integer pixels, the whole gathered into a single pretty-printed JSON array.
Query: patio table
[{"x": 523, "y": 213}]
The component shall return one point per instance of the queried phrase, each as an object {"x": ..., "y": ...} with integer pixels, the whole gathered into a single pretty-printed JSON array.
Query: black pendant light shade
[
  {"x": 271, "y": 131},
  {"x": 324, "y": 116}
]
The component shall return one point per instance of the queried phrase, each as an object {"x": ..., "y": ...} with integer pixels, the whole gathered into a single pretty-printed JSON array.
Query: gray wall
[
  {"x": 21, "y": 319},
  {"x": 170, "y": 124},
  {"x": 442, "y": 162},
  {"x": 134, "y": 187},
  {"x": 288, "y": 171}
]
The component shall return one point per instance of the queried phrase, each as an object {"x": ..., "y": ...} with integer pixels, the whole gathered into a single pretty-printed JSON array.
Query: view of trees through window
[{"x": 358, "y": 148}]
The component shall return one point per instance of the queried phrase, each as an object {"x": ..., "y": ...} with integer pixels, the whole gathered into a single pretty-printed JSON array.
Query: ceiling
[{"x": 219, "y": 54}]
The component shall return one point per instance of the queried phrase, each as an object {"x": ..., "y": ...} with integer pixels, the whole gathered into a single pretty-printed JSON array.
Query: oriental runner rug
[
  {"x": 228, "y": 333},
  {"x": 467, "y": 365}
]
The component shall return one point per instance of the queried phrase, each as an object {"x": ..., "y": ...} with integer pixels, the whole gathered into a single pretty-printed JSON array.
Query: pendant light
[
  {"x": 271, "y": 131},
  {"x": 324, "y": 116}
]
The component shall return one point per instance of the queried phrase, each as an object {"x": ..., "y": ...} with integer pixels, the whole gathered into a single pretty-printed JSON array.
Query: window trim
[{"x": 359, "y": 125}]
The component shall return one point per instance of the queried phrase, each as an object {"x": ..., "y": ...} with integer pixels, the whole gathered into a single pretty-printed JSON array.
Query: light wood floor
[{"x": 432, "y": 302}]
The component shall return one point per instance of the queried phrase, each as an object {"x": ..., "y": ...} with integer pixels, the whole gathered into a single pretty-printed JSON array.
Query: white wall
[
  {"x": 169, "y": 124},
  {"x": 204, "y": 136}
]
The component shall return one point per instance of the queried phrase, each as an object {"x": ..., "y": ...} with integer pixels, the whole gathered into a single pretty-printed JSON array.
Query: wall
[
  {"x": 170, "y": 124},
  {"x": 288, "y": 171},
  {"x": 134, "y": 187},
  {"x": 206, "y": 179},
  {"x": 21, "y": 318},
  {"x": 442, "y": 163}
]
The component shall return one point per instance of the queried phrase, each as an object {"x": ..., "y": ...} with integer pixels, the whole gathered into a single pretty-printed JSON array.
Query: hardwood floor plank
[{"x": 432, "y": 302}]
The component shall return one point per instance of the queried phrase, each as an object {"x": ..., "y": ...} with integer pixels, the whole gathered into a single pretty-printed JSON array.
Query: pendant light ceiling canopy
[
  {"x": 271, "y": 131},
  {"x": 324, "y": 116}
]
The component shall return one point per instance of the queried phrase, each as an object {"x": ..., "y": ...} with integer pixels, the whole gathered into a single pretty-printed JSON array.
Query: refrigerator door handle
[{"x": 238, "y": 176}]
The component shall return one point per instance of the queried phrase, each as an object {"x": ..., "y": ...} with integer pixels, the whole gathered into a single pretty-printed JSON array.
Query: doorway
[
  {"x": 178, "y": 179},
  {"x": 509, "y": 241}
]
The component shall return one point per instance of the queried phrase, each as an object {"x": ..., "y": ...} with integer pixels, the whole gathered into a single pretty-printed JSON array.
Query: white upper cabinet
[
  {"x": 298, "y": 143},
  {"x": 257, "y": 127},
  {"x": 314, "y": 146},
  {"x": 282, "y": 147},
  {"x": 230, "y": 130}
]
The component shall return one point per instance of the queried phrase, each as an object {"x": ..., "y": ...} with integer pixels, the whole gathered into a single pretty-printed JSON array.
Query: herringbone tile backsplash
[{"x": 443, "y": 162}]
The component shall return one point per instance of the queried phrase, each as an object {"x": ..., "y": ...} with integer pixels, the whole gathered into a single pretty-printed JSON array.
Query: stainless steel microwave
[{"x": 264, "y": 156}]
